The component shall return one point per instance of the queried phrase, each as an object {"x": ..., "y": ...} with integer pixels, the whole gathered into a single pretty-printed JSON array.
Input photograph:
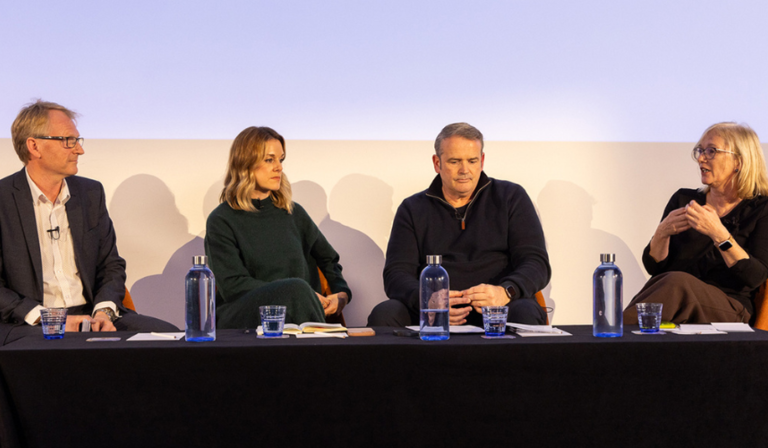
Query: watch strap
[
  {"x": 725, "y": 245},
  {"x": 108, "y": 311}
]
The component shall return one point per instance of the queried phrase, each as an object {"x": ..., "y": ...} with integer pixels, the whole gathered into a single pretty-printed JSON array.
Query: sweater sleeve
[
  {"x": 652, "y": 266},
  {"x": 225, "y": 259},
  {"x": 695, "y": 253},
  {"x": 322, "y": 253},
  {"x": 327, "y": 260},
  {"x": 401, "y": 268},
  {"x": 753, "y": 271},
  {"x": 527, "y": 249}
]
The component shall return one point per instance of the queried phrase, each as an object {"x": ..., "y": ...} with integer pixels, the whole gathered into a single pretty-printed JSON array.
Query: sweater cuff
[
  {"x": 515, "y": 289},
  {"x": 346, "y": 290}
]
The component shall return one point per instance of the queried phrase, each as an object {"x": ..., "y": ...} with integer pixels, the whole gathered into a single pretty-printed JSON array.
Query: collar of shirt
[{"x": 38, "y": 196}]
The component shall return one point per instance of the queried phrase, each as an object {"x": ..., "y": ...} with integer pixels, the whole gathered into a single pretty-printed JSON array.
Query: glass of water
[
  {"x": 53, "y": 321},
  {"x": 272, "y": 320},
  {"x": 495, "y": 320},
  {"x": 649, "y": 316}
]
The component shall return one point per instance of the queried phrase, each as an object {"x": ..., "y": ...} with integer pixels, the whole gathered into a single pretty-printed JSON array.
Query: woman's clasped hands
[
  {"x": 334, "y": 303},
  {"x": 701, "y": 218}
]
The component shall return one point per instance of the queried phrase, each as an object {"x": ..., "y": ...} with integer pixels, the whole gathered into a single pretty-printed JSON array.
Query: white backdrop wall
[
  {"x": 591, "y": 197},
  {"x": 360, "y": 89}
]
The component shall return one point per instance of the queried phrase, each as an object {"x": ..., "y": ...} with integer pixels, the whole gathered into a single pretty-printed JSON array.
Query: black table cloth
[{"x": 707, "y": 390}]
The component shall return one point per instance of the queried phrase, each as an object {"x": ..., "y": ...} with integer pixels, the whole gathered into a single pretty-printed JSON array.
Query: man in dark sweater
[{"x": 486, "y": 230}]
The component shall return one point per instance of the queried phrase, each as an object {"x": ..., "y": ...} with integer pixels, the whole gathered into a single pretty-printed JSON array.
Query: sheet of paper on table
[
  {"x": 733, "y": 327},
  {"x": 527, "y": 331},
  {"x": 456, "y": 329},
  {"x": 696, "y": 329},
  {"x": 157, "y": 336}
]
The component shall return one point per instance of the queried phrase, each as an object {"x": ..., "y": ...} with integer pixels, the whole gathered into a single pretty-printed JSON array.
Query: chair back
[
  {"x": 128, "y": 301},
  {"x": 761, "y": 311},
  {"x": 326, "y": 291},
  {"x": 542, "y": 303}
]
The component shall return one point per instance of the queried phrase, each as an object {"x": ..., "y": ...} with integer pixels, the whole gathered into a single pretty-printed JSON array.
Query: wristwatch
[
  {"x": 108, "y": 311},
  {"x": 510, "y": 292},
  {"x": 725, "y": 245}
]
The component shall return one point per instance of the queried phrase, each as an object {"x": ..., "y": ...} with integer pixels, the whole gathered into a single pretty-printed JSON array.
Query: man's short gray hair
[{"x": 464, "y": 130}]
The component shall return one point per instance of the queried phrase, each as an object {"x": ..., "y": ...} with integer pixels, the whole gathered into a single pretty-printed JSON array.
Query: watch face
[{"x": 725, "y": 245}]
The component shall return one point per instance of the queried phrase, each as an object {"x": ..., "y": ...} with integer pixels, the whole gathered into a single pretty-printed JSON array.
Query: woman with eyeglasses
[
  {"x": 264, "y": 248},
  {"x": 709, "y": 255}
]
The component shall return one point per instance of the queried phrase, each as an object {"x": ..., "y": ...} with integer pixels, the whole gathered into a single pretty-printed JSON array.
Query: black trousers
[{"x": 393, "y": 313}]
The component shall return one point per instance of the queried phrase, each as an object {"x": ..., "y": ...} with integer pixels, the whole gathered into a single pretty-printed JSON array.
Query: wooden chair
[
  {"x": 761, "y": 311},
  {"x": 326, "y": 291},
  {"x": 128, "y": 301},
  {"x": 542, "y": 303}
]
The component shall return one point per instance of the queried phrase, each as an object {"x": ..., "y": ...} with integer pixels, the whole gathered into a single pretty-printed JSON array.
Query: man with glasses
[
  {"x": 486, "y": 230},
  {"x": 57, "y": 243}
]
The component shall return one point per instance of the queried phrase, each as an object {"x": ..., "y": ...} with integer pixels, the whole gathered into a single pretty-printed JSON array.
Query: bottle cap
[
  {"x": 607, "y": 258},
  {"x": 434, "y": 259},
  {"x": 199, "y": 259}
]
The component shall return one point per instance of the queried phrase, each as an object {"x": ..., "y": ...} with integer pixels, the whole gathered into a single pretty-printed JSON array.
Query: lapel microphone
[{"x": 54, "y": 233}]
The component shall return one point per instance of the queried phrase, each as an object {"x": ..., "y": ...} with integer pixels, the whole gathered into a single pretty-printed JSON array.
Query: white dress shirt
[{"x": 62, "y": 287}]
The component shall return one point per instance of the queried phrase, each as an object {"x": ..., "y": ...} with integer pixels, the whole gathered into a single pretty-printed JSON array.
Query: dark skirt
[
  {"x": 687, "y": 299},
  {"x": 300, "y": 300}
]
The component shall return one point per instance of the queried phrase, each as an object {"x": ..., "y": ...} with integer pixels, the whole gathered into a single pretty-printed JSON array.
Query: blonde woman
[
  {"x": 709, "y": 254},
  {"x": 264, "y": 248}
]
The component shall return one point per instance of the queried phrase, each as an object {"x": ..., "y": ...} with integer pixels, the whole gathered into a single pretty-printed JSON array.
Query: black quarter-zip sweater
[{"x": 496, "y": 239}]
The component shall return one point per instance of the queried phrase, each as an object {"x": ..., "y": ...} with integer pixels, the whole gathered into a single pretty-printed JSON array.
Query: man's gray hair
[{"x": 464, "y": 130}]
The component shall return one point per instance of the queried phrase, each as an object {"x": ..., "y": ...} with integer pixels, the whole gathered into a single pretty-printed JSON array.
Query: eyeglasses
[
  {"x": 709, "y": 153},
  {"x": 69, "y": 142}
]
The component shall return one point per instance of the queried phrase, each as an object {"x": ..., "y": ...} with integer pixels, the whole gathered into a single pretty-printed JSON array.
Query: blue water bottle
[
  {"x": 607, "y": 318},
  {"x": 433, "y": 301},
  {"x": 201, "y": 301}
]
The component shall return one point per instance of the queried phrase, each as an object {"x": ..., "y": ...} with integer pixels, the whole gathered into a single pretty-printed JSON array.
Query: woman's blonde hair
[
  {"x": 751, "y": 179},
  {"x": 247, "y": 152}
]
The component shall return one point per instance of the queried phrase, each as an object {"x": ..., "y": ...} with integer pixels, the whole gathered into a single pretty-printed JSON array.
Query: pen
[{"x": 163, "y": 335}]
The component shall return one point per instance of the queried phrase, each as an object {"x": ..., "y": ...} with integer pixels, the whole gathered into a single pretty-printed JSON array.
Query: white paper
[
  {"x": 733, "y": 327},
  {"x": 696, "y": 329},
  {"x": 156, "y": 337},
  {"x": 456, "y": 329},
  {"x": 537, "y": 334},
  {"x": 536, "y": 328}
]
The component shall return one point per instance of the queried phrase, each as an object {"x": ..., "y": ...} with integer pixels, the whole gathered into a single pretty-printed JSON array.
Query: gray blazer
[{"x": 101, "y": 269}]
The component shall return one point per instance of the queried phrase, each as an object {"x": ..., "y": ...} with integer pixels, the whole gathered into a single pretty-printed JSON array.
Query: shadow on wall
[
  {"x": 148, "y": 224},
  {"x": 372, "y": 210},
  {"x": 362, "y": 259},
  {"x": 162, "y": 295},
  {"x": 574, "y": 248}
]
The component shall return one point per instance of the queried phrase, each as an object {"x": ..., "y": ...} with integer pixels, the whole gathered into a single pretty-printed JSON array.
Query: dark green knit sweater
[{"x": 247, "y": 250}]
